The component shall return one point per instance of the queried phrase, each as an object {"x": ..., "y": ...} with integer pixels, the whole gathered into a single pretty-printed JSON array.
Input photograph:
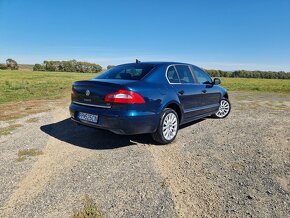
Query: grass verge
[{"x": 89, "y": 209}]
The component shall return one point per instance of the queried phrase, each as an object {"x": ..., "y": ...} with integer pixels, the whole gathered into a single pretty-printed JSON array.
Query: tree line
[
  {"x": 86, "y": 67},
  {"x": 68, "y": 66},
  {"x": 250, "y": 74}
]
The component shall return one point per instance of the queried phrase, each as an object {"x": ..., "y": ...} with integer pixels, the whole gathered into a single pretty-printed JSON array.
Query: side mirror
[{"x": 216, "y": 81}]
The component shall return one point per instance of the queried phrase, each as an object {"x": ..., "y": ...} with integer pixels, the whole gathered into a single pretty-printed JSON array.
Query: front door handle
[
  {"x": 181, "y": 92},
  {"x": 204, "y": 91}
]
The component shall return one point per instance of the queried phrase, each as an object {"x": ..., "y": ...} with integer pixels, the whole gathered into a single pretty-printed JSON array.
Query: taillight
[
  {"x": 73, "y": 93},
  {"x": 125, "y": 97}
]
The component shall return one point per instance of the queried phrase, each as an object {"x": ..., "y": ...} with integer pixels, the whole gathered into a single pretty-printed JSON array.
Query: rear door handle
[
  {"x": 181, "y": 92},
  {"x": 204, "y": 91}
]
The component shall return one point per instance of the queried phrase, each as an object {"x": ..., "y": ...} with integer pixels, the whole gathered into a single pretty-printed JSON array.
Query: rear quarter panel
[{"x": 160, "y": 91}]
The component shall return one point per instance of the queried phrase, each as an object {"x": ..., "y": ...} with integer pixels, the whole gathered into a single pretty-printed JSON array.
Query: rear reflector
[{"x": 124, "y": 97}]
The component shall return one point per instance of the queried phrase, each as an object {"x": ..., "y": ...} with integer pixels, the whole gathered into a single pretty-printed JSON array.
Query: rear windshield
[{"x": 127, "y": 72}]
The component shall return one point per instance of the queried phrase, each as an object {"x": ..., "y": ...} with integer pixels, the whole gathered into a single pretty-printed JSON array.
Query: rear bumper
[{"x": 119, "y": 122}]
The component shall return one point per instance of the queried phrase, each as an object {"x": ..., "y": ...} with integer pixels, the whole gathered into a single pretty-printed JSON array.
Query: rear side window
[
  {"x": 127, "y": 72},
  {"x": 202, "y": 77},
  {"x": 184, "y": 73},
  {"x": 172, "y": 75}
]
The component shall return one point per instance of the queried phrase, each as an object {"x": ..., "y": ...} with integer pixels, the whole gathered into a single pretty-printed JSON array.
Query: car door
[
  {"x": 211, "y": 95},
  {"x": 181, "y": 79}
]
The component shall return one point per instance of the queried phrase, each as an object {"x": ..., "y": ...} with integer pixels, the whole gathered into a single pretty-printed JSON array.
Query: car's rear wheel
[
  {"x": 168, "y": 127},
  {"x": 224, "y": 109}
]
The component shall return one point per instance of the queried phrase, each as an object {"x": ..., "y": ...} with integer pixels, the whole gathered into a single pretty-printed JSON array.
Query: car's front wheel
[
  {"x": 168, "y": 127},
  {"x": 224, "y": 109}
]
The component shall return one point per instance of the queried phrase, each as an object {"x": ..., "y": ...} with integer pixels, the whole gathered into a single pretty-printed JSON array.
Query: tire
[
  {"x": 224, "y": 109},
  {"x": 168, "y": 127}
]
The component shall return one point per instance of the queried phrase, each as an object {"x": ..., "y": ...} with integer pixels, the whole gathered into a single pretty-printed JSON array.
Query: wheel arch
[
  {"x": 175, "y": 106},
  {"x": 226, "y": 95}
]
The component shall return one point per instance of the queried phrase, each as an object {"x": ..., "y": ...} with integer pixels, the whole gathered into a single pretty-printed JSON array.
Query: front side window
[
  {"x": 127, "y": 72},
  {"x": 172, "y": 75},
  {"x": 184, "y": 73},
  {"x": 202, "y": 77}
]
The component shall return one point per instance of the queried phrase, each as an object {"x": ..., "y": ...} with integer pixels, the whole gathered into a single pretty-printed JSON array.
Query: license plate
[{"x": 88, "y": 117}]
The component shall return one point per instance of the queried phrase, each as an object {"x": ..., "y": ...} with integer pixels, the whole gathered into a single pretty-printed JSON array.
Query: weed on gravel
[
  {"x": 89, "y": 209},
  {"x": 23, "y": 154},
  {"x": 7, "y": 130},
  {"x": 32, "y": 120}
]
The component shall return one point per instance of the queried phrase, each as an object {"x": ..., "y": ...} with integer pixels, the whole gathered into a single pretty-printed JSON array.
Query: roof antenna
[{"x": 137, "y": 61}]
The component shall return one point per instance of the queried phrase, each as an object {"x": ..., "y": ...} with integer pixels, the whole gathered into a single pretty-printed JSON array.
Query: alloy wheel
[
  {"x": 169, "y": 127},
  {"x": 224, "y": 109}
]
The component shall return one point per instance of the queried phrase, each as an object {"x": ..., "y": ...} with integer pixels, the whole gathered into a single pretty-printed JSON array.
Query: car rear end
[{"x": 119, "y": 105}]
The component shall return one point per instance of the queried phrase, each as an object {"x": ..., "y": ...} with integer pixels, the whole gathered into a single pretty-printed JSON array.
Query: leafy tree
[{"x": 12, "y": 64}]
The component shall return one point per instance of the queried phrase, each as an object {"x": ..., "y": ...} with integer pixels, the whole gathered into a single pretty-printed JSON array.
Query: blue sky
[{"x": 224, "y": 34}]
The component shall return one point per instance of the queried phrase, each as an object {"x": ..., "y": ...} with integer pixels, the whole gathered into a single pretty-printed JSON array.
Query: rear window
[{"x": 127, "y": 72}]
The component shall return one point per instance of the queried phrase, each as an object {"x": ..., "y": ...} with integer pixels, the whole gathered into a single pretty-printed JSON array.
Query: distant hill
[{"x": 26, "y": 66}]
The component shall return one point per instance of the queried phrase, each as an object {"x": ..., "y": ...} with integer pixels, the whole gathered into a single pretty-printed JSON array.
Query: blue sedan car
[{"x": 148, "y": 97}]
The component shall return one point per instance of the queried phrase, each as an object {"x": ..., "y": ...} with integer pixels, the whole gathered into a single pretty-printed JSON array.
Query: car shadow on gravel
[
  {"x": 191, "y": 123},
  {"x": 91, "y": 138}
]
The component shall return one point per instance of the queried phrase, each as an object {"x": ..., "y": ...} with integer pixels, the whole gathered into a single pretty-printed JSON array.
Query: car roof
[{"x": 157, "y": 63}]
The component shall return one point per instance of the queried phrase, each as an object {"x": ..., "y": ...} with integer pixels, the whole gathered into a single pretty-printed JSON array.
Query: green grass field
[
  {"x": 29, "y": 85},
  {"x": 25, "y": 85},
  {"x": 262, "y": 85}
]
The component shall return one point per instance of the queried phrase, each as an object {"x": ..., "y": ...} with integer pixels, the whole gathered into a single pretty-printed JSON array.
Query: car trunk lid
[{"x": 93, "y": 92}]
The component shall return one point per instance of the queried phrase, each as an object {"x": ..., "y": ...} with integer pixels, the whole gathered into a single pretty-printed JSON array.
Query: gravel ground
[{"x": 236, "y": 167}]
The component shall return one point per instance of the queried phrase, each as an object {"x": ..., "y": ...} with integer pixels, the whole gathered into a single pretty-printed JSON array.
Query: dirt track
[{"x": 236, "y": 167}]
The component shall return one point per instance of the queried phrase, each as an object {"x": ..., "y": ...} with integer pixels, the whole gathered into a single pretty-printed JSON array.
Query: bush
[
  {"x": 3, "y": 67},
  {"x": 38, "y": 67}
]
